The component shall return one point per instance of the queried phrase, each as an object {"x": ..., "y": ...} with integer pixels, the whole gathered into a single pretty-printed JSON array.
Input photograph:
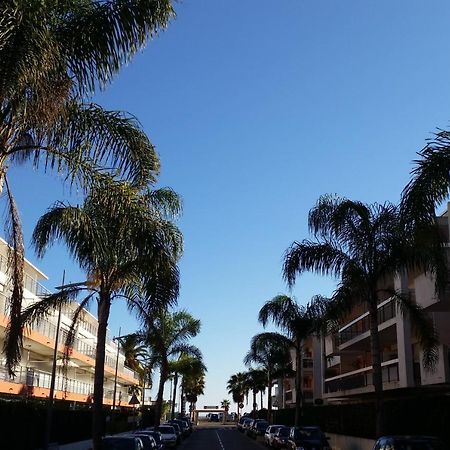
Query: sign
[
  {"x": 134, "y": 400},
  {"x": 211, "y": 407},
  {"x": 241, "y": 405}
]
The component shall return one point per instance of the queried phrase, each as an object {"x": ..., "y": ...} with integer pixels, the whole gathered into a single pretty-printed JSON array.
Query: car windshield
[
  {"x": 118, "y": 444},
  {"x": 418, "y": 445},
  {"x": 146, "y": 441},
  {"x": 262, "y": 425},
  {"x": 308, "y": 434},
  {"x": 283, "y": 432}
]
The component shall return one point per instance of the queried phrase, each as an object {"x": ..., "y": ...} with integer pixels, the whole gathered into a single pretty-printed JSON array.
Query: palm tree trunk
[
  {"x": 254, "y": 403},
  {"x": 298, "y": 383},
  {"x": 269, "y": 400},
  {"x": 159, "y": 399},
  {"x": 174, "y": 397},
  {"x": 376, "y": 367},
  {"x": 97, "y": 416}
]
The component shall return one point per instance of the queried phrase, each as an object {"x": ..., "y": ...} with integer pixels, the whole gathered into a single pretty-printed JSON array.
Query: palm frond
[
  {"x": 322, "y": 258},
  {"x": 13, "y": 335},
  {"x": 423, "y": 327}
]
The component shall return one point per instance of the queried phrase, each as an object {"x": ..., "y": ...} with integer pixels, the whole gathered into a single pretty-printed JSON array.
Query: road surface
[{"x": 219, "y": 438}]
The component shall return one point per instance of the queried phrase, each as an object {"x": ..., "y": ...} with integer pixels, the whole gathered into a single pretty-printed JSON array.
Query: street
[{"x": 219, "y": 438}]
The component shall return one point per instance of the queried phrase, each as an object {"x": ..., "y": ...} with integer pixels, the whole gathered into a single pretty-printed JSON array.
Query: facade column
[{"x": 404, "y": 345}]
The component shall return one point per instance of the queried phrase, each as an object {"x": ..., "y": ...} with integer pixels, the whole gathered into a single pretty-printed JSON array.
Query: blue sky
[{"x": 257, "y": 108}]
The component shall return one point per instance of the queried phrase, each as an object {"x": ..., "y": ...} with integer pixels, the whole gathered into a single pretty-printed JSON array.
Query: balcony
[
  {"x": 360, "y": 326},
  {"x": 361, "y": 378}
]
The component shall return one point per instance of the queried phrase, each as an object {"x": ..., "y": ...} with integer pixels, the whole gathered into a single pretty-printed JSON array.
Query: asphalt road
[{"x": 219, "y": 438}]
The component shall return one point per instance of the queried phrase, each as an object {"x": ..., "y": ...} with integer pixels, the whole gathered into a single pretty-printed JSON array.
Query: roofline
[{"x": 28, "y": 262}]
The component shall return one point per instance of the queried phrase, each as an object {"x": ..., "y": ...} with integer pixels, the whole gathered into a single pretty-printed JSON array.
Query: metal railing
[
  {"x": 361, "y": 379},
  {"x": 31, "y": 377}
]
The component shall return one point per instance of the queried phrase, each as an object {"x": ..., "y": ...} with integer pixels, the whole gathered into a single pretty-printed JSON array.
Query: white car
[
  {"x": 168, "y": 435},
  {"x": 270, "y": 433}
]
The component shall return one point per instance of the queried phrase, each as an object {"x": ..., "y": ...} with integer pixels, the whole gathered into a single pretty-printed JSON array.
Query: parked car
[
  {"x": 122, "y": 443},
  {"x": 270, "y": 433},
  {"x": 214, "y": 418},
  {"x": 177, "y": 430},
  {"x": 168, "y": 435},
  {"x": 307, "y": 438},
  {"x": 258, "y": 428},
  {"x": 155, "y": 435},
  {"x": 240, "y": 424},
  {"x": 248, "y": 424},
  {"x": 188, "y": 422},
  {"x": 280, "y": 437},
  {"x": 182, "y": 425},
  {"x": 409, "y": 443},
  {"x": 245, "y": 423},
  {"x": 147, "y": 441}
]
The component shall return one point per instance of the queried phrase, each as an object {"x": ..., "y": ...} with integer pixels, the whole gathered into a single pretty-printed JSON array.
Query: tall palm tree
[
  {"x": 122, "y": 238},
  {"x": 168, "y": 335},
  {"x": 365, "y": 246},
  {"x": 139, "y": 359},
  {"x": 185, "y": 366},
  {"x": 225, "y": 404},
  {"x": 192, "y": 371},
  {"x": 237, "y": 387},
  {"x": 269, "y": 351},
  {"x": 256, "y": 382},
  {"x": 298, "y": 322},
  {"x": 194, "y": 387},
  {"x": 53, "y": 57}
]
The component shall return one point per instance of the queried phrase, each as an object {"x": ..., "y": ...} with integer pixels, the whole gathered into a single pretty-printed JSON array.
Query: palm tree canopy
[
  {"x": 430, "y": 182},
  {"x": 237, "y": 387},
  {"x": 119, "y": 241},
  {"x": 365, "y": 246},
  {"x": 168, "y": 334},
  {"x": 269, "y": 351}
]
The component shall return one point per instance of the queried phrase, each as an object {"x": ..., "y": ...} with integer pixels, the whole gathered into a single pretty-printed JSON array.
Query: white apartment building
[
  {"x": 34, "y": 373},
  {"x": 341, "y": 364}
]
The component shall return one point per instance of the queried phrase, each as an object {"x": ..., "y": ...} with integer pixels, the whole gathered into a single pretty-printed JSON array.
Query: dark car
[
  {"x": 307, "y": 438},
  {"x": 240, "y": 424},
  {"x": 155, "y": 435},
  {"x": 214, "y": 418},
  {"x": 177, "y": 429},
  {"x": 409, "y": 443},
  {"x": 147, "y": 441},
  {"x": 122, "y": 443},
  {"x": 258, "y": 428},
  {"x": 182, "y": 425},
  {"x": 281, "y": 437}
]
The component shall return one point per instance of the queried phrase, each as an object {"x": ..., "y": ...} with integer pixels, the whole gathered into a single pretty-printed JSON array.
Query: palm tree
[
  {"x": 54, "y": 55},
  {"x": 139, "y": 359},
  {"x": 270, "y": 352},
  {"x": 237, "y": 387},
  {"x": 193, "y": 372},
  {"x": 430, "y": 182},
  {"x": 298, "y": 322},
  {"x": 225, "y": 404},
  {"x": 168, "y": 335},
  {"x": 256, "y": 382},
  {"x": 193, "y": 387},
  {"x": 122, "y": 238},
  {"x": 185, "y": 366},
  {"x": 365, "y": 246}
]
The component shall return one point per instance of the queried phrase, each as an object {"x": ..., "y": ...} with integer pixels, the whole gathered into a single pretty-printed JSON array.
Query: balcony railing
[
  {"x": 385, "y": 313},
  {"x": 361, "y": 379},
  {"x": 32, "y": 377}
]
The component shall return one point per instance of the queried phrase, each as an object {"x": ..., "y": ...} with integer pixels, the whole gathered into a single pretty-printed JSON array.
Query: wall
[{"x": 342, "y": 442}]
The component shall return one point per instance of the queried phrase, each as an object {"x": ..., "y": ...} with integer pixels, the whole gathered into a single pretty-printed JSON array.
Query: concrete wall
[{"x": 342, "y": 442}]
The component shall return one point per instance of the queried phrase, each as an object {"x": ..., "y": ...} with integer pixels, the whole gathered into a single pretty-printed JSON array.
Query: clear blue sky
[{"x": 257, "y": 108}]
